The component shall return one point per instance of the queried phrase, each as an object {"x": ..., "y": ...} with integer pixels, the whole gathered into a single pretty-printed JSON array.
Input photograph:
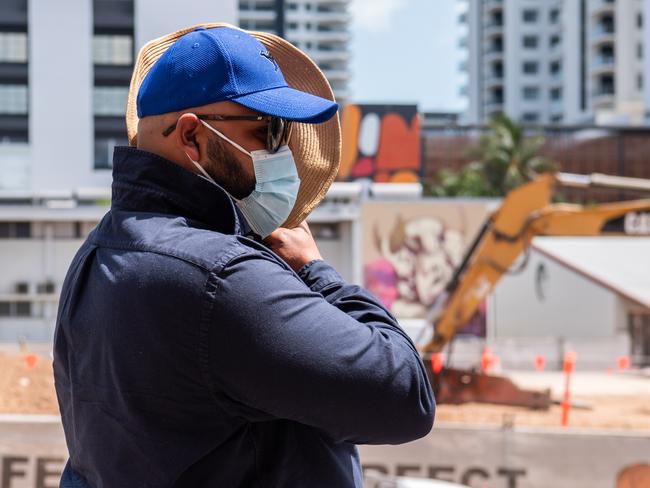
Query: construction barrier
[
  {"x": 33, "y": 453},
  {"x": 514, "y": 458}
]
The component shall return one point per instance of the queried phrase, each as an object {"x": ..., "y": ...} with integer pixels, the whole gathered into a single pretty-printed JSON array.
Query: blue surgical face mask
[{"x": 276, "y": 187}]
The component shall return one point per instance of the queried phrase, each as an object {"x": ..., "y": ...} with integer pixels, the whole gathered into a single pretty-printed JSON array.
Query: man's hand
[{"x": 296, "y": 246}]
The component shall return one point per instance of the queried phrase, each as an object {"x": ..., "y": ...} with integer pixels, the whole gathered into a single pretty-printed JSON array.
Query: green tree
[{"x": 503, "y": 159}]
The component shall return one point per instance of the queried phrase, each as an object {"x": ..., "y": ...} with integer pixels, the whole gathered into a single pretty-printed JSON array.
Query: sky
[{"x": 406, "y": 51}]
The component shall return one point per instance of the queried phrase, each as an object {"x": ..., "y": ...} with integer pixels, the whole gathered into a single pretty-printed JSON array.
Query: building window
[
  {"x": 104, "y": 150},
  {"x": 530, "y": 67},
  {"x": 15, "y": 230},
  {"x": 556, "y": 94},
  {"x": 639, "y": 81},
  {"x": 45, "y": 287},
  {"x": 110, "y": 100},
  {"x": 23, "y": 309},
  {"x": 555, "y": 67},
  {"x": 13, "y": 47},
  {"x": 529, "y": 15},
  {"x": 554, "y": 16},
  {"x": 530, "y": 93},
  {"x": 639, "y": 20},
  {"x": 114, "y": 50},
  {"x": 15, "y": 309},
  {"x": 639, "y": 51},
  {"x": 293, "y": 25},
  {"x": 554, "y": 41},
  {"x": 530, "y": 117},
  {"x": 13, "y": 99},
  {"x": 293, "y": 6},
  {"x": 530, "y": 42}
]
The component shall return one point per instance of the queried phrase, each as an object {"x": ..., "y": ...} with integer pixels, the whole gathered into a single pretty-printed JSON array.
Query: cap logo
[{"x": 269, "y": 56}]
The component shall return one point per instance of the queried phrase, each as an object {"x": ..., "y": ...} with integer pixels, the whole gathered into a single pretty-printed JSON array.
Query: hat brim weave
[{"x": 316, "y": 146}]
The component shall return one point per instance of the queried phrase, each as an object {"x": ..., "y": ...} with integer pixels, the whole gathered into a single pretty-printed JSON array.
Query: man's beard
[{"x": 227, "y": 171}]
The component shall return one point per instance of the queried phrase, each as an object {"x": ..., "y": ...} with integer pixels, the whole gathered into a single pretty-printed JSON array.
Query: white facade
[
  {"x": 155, "y": 18},
  {"x": 38, "y": 242},
  {"x": 59, "y": 155},
  {"x": 320, "y": 28},
  {"x": 557, "y": 61},
  {"x": 579, "y": 294}
]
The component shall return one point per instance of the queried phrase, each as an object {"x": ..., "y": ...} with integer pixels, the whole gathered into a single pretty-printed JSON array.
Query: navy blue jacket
[{"x": 189, "y": 355}]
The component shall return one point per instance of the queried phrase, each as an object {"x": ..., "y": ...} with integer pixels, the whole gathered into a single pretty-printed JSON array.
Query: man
[{"x": 198, "y": 344}]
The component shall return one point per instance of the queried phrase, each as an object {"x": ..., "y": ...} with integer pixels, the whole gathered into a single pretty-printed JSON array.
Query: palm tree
[{"x": 503, "y": 159}]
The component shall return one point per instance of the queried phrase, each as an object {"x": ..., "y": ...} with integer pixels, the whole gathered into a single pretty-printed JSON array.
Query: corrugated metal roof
[{"x": 619, "y": 263}]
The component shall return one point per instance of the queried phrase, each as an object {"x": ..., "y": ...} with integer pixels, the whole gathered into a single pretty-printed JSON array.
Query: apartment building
[
  {"x": 556, "y": 61},
  {"x": 65, "y": 68},
  {"x": 320, "y": 28}
]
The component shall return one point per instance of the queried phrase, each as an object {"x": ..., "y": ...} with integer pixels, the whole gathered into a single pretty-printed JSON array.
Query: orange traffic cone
[
  {"x": 623, "y": 363},
  {"x": 437, "y": 360},
  {"x": 31, "y": 360},
  {"x": 487, "y": 360},
  {"x": 570, "y": 358}
]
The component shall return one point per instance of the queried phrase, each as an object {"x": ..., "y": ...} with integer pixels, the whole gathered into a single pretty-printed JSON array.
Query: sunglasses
[{"x": 278, "y": 129}]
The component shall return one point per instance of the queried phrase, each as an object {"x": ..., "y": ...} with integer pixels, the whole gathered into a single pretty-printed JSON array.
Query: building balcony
[
  {"x": 333, "y": 3},
  {"x": 492, "y": 5},
  {"x": 256, "y": 15},
  {"x": 492, "y": 30},
  {"x": 601, "y": 7},
  {"x": 331, "y": 17},
  {"x": 603, "y": 97},
  {"x": 603, "y": 64},
  {"x": 493, "y": 105},
  {"x": 493, "y": 54},
  {"x": 602, "y": 34},
  {"x": 335, "y": 36},
  {"x": 337, "y": 74},
  {"x": 328, "y": 56},
  {"x": 341, "y": 95},
  {"x": 493, "y": 81}
]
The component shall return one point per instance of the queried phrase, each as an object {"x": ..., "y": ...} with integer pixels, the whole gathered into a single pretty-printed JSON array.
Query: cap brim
[{"x": 290, "y": 104}]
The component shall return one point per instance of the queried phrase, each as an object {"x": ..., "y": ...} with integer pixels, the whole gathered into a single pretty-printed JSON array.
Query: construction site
[
  {"x": 509, "y": 241},
  {"x": 518, "y": 402}
]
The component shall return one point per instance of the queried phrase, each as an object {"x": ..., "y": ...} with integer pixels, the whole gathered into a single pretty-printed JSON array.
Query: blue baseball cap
[{"x": 222, "y": 63}]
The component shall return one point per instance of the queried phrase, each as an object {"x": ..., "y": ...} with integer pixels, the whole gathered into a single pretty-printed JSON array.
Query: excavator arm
[{"x": 527, "y": 212}]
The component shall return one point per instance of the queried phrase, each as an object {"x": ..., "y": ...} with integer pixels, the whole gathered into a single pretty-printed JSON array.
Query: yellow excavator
[{"x": 506, "y": 235}]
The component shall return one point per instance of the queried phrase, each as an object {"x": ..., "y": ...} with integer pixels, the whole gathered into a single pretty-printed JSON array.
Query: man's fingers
[{"x": 276, "y": 237}]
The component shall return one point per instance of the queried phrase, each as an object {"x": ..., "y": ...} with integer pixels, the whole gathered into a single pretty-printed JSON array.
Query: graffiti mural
[
  {"x": 381, "y": 143},
  {"x": 411, "y": 249}
]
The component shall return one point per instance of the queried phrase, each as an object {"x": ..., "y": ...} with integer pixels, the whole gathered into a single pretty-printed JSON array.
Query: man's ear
[{"x": 188, "y": 131}]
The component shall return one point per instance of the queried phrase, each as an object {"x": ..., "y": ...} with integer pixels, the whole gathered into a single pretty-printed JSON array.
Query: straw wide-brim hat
[{"x": 316, "y": 147}]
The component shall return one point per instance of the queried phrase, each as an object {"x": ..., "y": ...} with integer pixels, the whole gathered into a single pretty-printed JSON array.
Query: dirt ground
[
  {"x": 27, "y": 390},
  {"x": 608, "y": 412}
]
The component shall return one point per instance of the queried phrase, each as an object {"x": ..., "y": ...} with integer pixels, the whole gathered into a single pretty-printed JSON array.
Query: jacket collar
[{"x": 144, "y": 181}]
